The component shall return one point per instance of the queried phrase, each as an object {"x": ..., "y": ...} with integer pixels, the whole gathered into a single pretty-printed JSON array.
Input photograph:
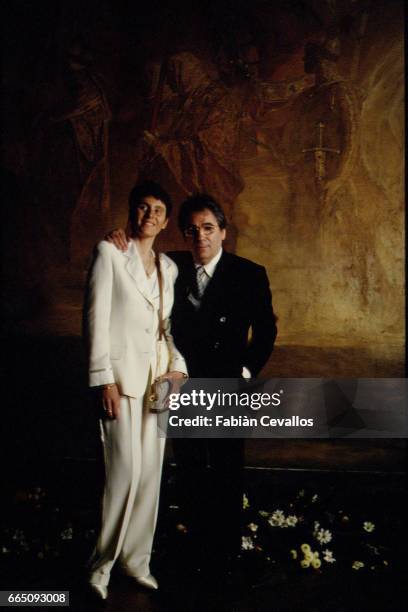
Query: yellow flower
[
  {"x": 305, "y": 548},
  {"x": 309, "y": 555},
  {"x": 316, "y": 554},
  {"x": 316, "y": 563},
  {"x": 304, "y": 563},
  {"x": 293, "y": 554},
  {"x": 245, "y": 502}
]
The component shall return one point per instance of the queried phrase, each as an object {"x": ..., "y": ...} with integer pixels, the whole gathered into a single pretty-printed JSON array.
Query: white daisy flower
[
  {"x": 368, "y": 526},
  {"x": 277, "y": 519},
  {"x": 247, "y": 543},
  {"x": 328, "y": 556},
  {"x": 291, "y": 520},
  {"x": 323, "y": 536}
]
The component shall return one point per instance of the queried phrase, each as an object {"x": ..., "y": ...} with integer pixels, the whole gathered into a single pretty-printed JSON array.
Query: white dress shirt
[{"x": 211, "y": 265}]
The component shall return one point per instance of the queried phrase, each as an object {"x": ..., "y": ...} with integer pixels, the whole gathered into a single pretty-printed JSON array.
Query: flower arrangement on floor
[
  {"x": 306, "y": 534},
  {"x": 304, "y": 531},
  {"x": 38, "y": 528}
]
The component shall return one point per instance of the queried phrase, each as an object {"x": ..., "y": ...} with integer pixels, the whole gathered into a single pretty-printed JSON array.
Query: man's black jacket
[{"x": 237, "y": 303}]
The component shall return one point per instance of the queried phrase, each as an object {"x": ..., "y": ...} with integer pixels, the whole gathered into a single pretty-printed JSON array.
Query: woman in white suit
[{"x": 129, "y": 300}]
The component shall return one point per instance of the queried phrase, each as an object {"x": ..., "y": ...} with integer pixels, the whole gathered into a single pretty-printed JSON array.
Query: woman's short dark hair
[
  {"x": 144, "y": 190},
  {"x": 198, "y": 203}
]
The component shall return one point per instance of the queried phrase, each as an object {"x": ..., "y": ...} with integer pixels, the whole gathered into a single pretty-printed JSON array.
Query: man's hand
[
  {"x": 118, "y": 238},
  {"x": 176, "y": 380},
  {"x": 111, "y": 401}
]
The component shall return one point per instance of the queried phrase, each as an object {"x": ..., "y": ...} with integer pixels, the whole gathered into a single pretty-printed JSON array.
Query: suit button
[
  {"x": 223, "y": 319},
  {"x": 147, "y": 331},
  {"x": 149, "y": 307},
  {"x": 216, "y": 345}
]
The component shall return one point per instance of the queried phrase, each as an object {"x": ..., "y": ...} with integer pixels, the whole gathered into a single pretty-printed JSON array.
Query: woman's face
[{"x": 150, "y": 218}]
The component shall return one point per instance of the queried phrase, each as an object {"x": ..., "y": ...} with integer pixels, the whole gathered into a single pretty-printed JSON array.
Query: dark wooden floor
[{"x": 58, "y": 530}]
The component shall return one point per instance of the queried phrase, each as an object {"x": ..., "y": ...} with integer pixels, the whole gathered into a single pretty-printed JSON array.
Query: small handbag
[{"x": 159, "y": 392}]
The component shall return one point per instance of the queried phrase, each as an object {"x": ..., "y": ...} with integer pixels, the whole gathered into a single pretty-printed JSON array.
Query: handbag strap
[{"x": 160, "y": 281}]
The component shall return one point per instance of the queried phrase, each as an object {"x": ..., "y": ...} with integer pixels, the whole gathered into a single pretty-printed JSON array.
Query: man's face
[
  {"x": 150, "y": 217},
  {"x": 204, "y": 236}
]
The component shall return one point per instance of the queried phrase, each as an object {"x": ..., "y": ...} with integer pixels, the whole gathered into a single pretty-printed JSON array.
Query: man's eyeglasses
[{"x": 194, "y": 230}]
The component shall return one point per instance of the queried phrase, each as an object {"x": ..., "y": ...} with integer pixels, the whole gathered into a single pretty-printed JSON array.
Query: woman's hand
[
  {"x": 111, "y": 401},
  {"x": 176, "y": 380}
]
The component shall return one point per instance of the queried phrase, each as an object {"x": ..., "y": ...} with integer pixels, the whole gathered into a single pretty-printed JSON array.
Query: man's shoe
[
  {"x": 100, "y": 590},
  {"x": 149, "y": 582}
]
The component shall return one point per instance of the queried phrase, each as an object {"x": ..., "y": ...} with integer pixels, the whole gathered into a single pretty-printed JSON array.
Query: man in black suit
[{"x": 219, "y": 299}]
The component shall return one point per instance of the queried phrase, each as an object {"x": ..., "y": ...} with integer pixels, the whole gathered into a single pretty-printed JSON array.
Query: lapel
[
  {"x": 165, "y": 267},
  {"x": 187, "y": 280},
  {"x": 134, "y": 267},
  {"x": 217, "y": 287}
]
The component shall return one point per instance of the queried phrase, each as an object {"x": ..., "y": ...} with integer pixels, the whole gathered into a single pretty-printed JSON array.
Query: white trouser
[{"x": 133, "y": 463}]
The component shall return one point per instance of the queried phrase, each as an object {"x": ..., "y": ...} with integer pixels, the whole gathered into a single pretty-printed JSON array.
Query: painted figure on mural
[
  {"x": 308, "y": 140},
  {"x": 321, "y": 139},
  {"x": 195, "y": 137},
  {"x": 306, "y": 149},
  {"x": 193, "y": 142}
]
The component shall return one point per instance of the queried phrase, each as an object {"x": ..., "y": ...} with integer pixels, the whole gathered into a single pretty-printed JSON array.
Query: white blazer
[{"x": 122, "y": 321}]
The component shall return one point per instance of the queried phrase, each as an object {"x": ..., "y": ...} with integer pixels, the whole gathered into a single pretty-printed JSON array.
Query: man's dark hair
[
  {"x": 145, "y": 189},
  {"x": 198, "y": 203}
]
